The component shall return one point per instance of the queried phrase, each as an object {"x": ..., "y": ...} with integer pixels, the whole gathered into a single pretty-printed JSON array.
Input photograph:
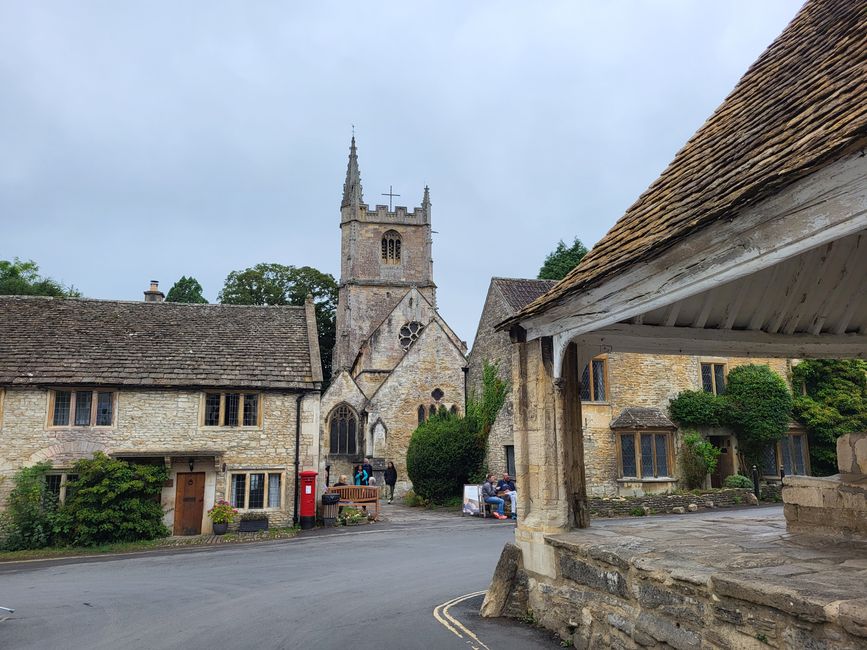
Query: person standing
[
  {"x": 390, "y": 479},
  {"x": 489, "y": 494},
  {"x": 360, "y": 476},
  {"x": 367, "y": 467}
]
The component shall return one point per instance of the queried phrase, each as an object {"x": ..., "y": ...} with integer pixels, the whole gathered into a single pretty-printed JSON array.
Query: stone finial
[{"x": 352, "y": 195}]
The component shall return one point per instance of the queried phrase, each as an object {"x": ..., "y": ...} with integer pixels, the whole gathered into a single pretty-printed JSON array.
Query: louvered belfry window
[{"x": 391, "y": 247}]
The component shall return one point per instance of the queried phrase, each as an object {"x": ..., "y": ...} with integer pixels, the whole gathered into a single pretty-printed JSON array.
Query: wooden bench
[{"x": 358, "y": 496}]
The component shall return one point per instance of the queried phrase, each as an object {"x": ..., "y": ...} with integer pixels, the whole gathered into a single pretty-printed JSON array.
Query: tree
[
  {"x": 276, "y": 284},
  {"x": 188, "y": 290},
  {"x": 834, "y": 403},
  {"x": 19, "y": 278},
  {"x": 562, "y": 260}
]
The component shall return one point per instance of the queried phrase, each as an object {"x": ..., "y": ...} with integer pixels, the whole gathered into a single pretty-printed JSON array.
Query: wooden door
[
  {"x": 189, "y": 503},
  {"x": 725, "y": 465}
]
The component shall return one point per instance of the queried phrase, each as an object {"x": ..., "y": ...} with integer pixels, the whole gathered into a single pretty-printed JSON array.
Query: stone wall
[
  {"x": 668, "y": 503},
  {"x": 148, "y": 421}
]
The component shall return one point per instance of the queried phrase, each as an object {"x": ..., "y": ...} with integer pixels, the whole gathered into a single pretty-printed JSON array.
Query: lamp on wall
[{"x": 192, "y": 464}]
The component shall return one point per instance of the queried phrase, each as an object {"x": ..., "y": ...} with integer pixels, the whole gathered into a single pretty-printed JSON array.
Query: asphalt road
[{"x": 372, "y": 586}]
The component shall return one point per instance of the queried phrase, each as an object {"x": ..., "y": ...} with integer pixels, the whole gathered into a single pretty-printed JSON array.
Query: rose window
[{"x": 409, "y": 334}]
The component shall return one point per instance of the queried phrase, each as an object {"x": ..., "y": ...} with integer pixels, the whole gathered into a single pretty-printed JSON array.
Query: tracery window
[
  {"x": 409, "y": 334},
  {"x": 344, "y": 431},
  {"x": 391, "y": 247}
]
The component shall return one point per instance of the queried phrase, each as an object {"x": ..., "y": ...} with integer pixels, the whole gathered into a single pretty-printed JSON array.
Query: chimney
[{"x": 154, "y": 294}]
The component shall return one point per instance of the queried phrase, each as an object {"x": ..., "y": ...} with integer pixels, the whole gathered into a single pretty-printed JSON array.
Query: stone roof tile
[{"x": 638, "y": 417}]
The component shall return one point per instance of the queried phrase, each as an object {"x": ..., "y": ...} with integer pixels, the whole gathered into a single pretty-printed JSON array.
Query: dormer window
[{"x": 391, "y": 247}]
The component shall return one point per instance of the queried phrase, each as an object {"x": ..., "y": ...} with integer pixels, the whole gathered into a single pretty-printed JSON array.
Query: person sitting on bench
[
  {"x": 489, "y": 493},
  {"x": 506, "y": 487}
]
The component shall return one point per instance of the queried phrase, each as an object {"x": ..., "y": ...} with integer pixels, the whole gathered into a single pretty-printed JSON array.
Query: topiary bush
[
  {"x": 738, "y": 481},
  {"x": 698, "y": 458},
  {"x": 31, "y": 511},
  {"x": 697, "y": 408},
  {"x": 113, "y": 501},
  {"x": 758, "y": 408},
  {"x": 443, "y": 453}
]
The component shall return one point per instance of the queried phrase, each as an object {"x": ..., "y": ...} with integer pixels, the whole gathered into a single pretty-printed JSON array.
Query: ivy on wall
[{"x": 833, "y": 403}]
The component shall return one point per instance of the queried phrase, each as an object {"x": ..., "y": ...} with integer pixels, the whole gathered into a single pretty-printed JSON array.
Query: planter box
[{"x": 252, "y": 526}]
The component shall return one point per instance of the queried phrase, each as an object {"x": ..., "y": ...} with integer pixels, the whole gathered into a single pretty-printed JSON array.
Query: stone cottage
[
  {"x": 630, "y": 445},
  {"x": 395, "y": 360},
  {"x": 225, "y": 396}
]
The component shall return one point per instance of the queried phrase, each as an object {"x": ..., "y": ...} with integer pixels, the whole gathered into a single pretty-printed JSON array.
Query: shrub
[
  {"x": 31, "y": 511},
  {"x": 443, "y": 453},
  {"x": 698, "y": 458},
  {"x": 738, "y": 481},
  {"x": 254, "y": 515},
  {"x": 697, "y": 408},
  {"x": 113, "y": 501},
  {"x": 637, "y": 512},
  {"x": 759, "y": 408}
]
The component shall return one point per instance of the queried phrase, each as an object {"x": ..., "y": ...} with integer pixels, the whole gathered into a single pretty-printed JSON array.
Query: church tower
[{"x": 383, "y": 254}]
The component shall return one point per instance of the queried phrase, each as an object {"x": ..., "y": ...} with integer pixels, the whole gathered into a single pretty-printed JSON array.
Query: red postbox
[{"x": 308, "y": 499}]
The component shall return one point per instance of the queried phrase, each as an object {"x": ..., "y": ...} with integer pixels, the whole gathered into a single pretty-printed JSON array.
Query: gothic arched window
[
  {"x": 391, "y": 247},
  {"x": 343, "y": 427},
  {"x": 421, "y": 414}
]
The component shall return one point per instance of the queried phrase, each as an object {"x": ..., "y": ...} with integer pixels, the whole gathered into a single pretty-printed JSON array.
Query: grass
[{"x": 147, "y": 545}]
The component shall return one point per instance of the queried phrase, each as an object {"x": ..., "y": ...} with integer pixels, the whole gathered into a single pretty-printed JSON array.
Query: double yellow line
[{"x": 441, "y": 614}]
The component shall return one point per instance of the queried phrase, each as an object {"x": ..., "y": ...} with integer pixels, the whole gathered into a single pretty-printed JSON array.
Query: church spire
[{"x": 352, "y": 185}]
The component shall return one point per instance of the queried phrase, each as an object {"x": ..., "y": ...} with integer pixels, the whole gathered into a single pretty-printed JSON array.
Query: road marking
[{"x": 453, "y": 625}]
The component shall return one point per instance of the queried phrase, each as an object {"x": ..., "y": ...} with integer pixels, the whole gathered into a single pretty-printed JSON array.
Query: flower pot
[
  {"x": 220, "y": 529},
  {"x": 253, "y": 525}
]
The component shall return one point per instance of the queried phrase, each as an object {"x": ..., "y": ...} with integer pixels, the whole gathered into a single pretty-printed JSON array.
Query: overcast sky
[{"x": 151, "y": 140}]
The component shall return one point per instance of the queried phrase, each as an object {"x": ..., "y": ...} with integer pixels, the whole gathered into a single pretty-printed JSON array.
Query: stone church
[{"x": 395, "y": 360}]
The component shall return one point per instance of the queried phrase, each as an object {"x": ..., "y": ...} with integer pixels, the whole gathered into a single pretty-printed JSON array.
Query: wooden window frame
[
  {"x": 604, "y": 359},
  {"x": 669, "y": 452},
  {"x": 778, "y": 450},
  {"x": 94, "y": 403},
  {"x": 222, "y": 416},
  {"x": 712, "y": 365},
  {"x": 268, "y": 472}
]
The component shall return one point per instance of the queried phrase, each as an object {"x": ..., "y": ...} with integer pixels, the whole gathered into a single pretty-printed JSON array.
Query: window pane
[
  {"x": 104, "y": 406},
  {"x": 627, "y": 450},
  {"x": 352, "y": 438},
  {"x": 384, "y": 248},
  {"x": 335, "y": 437},
  {"x": 62, "y": 398},
  {"x": 599, "y": 381},
  {"x": 647, "y": 455},
  {"x": 257, "y": 491},
  {"x": 585, "y": 384},
  {"x": 787, "y": 456},
  {"x": 797, "y": 454},
  {"x": 233, "y": 403},
  {"x": 274, "y": 490},
  {"x": 212, "y": 409},
  {"x": 769, "y": 461},
  {"x": 83, "y": 401},
  {"x": 719, "y": 378},
  {"x": 397, "y": 250},
  {"x": 661, "y": 454},
  {"x": 251, "y": 410},
  {"x": 239, "y": 488},
  {"x": 707, "y": 377},
  {"x": 510, "y": 460},
  {"x": 52, "y": 484}
]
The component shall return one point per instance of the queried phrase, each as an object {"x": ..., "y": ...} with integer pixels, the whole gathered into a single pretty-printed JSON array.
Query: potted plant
[
  {"x": 252, "y": 522},
  {"x": 222, "y": 514}
]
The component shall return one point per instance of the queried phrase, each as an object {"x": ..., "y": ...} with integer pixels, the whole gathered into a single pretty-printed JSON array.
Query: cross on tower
[{"x": 390, "y": 194}]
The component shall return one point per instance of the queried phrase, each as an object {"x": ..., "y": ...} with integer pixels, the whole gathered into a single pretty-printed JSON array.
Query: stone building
[
  {"x": 225, "y": 396},
  {"x": 630, "y": 445},
  {"x": 395, "y": 359}
]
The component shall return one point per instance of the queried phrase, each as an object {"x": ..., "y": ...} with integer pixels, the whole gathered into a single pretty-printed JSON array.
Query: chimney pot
[{"x": 154, "y": 294}]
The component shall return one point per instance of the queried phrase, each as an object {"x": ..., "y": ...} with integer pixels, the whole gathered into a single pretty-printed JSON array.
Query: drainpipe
[
  {"x": 298, "y": 401},
  {"x": 466, "y": 370}
]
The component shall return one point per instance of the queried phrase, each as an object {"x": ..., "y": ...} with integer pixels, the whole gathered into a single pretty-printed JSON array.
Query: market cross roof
[
  {"x": 73, "y": 341},
  {"x": 799, "y": 107}
]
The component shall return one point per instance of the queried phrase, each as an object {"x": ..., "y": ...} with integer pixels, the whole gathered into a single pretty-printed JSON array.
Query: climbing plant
[
  {"x": 698, "y": 458},
  {"x": 833, "y": 403}
]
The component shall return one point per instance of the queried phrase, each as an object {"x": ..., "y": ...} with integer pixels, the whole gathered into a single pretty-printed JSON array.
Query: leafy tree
[
  {"x": 697, "y": 408},
  {"x": 758, "y": 408},
  {"x": 444, "y": 452},
  {"x": 30, "y": 511},
  {"x": 276, "y": 284},
  {"x": 834, "y": 404},
  {"x": 562, "y": 260},
  {"x": 698, "y": 458},
  {"x": 19, "y": 278},
  {"x": 188, "y": 290},
  {"x": 113, "y": 501}
]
